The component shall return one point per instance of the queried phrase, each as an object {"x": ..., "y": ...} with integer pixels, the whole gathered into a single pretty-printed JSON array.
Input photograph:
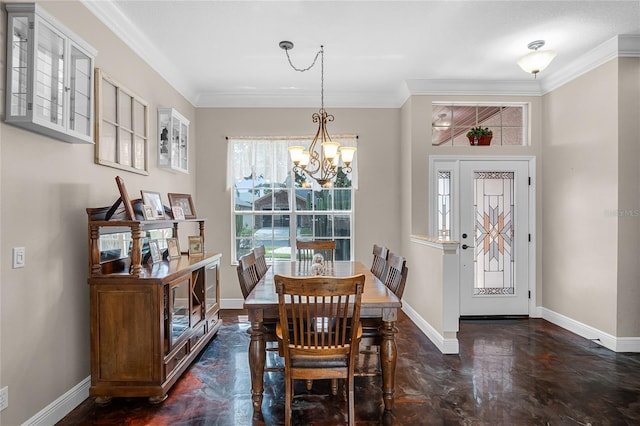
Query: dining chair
[
  {"x": 306, "y": 249},
  {"x": 247, "y": 273},
  {"x": 261, "y": 261},
  {"x": 395, "y": 279},
  {"x": 379, "y": 264},
  {"x": 320, "y": 331},
  {"x": 248, "y": 278}
]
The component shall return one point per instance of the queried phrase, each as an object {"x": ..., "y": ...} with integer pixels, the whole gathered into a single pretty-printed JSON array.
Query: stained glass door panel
[{"x": 494, "y": 238}]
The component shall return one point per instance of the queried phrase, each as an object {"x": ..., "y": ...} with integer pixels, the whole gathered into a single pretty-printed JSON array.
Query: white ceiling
[{"x": 225, "y": 53}]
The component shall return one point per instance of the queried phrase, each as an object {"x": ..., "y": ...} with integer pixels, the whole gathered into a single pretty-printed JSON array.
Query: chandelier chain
[{"x": 321, "y": 54}]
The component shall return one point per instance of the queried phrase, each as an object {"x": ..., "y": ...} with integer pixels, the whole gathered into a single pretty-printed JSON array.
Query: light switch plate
[{"x": 19, "y": 257}]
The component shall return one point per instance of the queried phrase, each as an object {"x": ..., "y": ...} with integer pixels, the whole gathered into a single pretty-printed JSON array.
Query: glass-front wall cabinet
[
  {"x": 173, "y": 144},
  {"x": 49, "y": 76}
]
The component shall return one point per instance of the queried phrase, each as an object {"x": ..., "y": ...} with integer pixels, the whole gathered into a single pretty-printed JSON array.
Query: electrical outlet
[{"x": 4, "y": 398}]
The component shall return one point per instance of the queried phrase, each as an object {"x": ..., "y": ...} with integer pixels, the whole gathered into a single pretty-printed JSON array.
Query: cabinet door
[
  {"x": 80, "y": 92},
  {"x": 49, "y": 77},
  {"x": 178, "y": 312},
  {"x": 212, "y": 274},
  {"x": 18, "y": 71}
]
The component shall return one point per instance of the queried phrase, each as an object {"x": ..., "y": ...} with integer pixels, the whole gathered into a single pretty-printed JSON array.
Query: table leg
[
  {"x": 257, "y": 358},
  {"x": 388, "y": 358}
]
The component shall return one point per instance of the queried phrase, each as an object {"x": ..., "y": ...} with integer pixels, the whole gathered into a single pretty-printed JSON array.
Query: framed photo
[
  {"x": 195, "y": 245},
  {"x": 124, "y": 197},
  {"x": 147, "y": 210},
  {"x": 174, "y": 248},
  {"x": 186, "y": 202},
  {"x": 154, "y": 249},
  {"x": 178, "y": 213},
  {"x": 154, "y": 199}
]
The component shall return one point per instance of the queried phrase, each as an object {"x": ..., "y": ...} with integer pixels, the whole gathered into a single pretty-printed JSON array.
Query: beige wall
[
  {"x": 628, "y": 314},
  {"x": 377, "y": 202},
  {"x": 580, "y": 180},
  {"x": 416, "y": 143},
  {"x": 45, "y": 187}
]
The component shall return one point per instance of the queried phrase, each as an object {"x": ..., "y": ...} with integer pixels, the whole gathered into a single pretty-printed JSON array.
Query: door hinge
[
  {"x": 529, "y": 180},
  {"x": 529, "y": 237},
  {"x": 529, "y": 294}
]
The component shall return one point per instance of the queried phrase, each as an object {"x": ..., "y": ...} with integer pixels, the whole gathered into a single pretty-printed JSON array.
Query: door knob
[{"x": 464, "y": 247}]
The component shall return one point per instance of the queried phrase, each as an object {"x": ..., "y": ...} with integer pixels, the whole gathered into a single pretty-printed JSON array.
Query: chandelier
[{"x": 321, "y": 161}]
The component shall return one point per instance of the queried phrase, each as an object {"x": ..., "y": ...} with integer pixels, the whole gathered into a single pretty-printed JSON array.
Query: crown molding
[
  {"x": 625, "y": 45},
  {"x": 474, "y": 87},
  {"x": 110, "y": 15}
]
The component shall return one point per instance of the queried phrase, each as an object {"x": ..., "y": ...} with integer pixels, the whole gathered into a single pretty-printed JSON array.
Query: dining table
[{"x": 377, "y": 302}]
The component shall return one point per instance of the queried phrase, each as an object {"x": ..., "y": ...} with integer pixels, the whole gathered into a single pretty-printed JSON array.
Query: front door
[{"x": 494, "y": 235}]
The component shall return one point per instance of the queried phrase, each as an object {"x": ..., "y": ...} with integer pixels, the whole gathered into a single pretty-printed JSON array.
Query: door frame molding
[{"x": 454, "y": 162}]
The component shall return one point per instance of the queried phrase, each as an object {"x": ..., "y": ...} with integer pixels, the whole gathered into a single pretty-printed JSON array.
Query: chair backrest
[
  {"x": 261, "y": 262},
  {"x": 317, "y": 314},
  {"x": 396, "y": 275},
  {"x": 379, "y": 264},
  {"x": 247, "y": 273},
  {"x": 306, "y": 249}
]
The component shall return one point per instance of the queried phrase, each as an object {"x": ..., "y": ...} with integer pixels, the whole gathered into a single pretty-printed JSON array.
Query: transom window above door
[{"x": 450, "y": 123}]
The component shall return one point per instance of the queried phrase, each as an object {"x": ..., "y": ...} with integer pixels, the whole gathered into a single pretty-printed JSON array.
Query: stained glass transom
[{"x": 493, "y": 231}]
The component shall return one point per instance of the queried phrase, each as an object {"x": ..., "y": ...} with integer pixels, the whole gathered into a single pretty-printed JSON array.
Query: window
[
  {"x": 273, "y": 206},
  {"x": 451, "y": 122},
  {"x": 122, "y": 127}
]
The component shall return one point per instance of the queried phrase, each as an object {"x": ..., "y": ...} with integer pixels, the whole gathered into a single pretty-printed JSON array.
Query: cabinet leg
[
  {"x": 155, "y": 400},
  {"x": 102, "y": 400}
]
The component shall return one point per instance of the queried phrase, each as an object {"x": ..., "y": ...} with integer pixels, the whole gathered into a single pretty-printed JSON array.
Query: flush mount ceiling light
[
  {"x": 536, "y": 61},
  {"x": 319, "y": 162}
]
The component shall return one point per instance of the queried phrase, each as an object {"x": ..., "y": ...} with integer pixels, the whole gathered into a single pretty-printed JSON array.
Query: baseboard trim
[
  {"x": 446, "y": 346},
  {"x": 62, "y": 406},
  {"x": 616, "y": 344}
]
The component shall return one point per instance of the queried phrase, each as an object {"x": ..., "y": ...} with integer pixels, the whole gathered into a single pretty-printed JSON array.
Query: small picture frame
[
  {"x": 147, "y": 211},
  {"x": 154, "y": 199},
  {"x": 185, "y": 201},
  {"x": 154, "y": 249},
  {"x": 124, "y": 197},
  {"x": 196, "y": 245},
  {"x": 178, "y": 213},
  {"x": 173, "y": 246}
]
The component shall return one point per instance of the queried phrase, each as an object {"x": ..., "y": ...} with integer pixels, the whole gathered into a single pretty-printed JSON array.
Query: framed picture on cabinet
[
  {"x": 174, "y": 248},
  {"x": 185, "y": 202},
  {"x": 154, "y": 249},
  {"x": 147, "y": 211},
  {"x": 124, "y": 198},
  {"x": 178, "y": 213},
  {"x": 195, "y": 245},
  {"x": 153, "y": 199}
]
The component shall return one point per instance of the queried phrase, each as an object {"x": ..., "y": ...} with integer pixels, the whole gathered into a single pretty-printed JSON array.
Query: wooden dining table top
[{"x": 375, "y": 295}]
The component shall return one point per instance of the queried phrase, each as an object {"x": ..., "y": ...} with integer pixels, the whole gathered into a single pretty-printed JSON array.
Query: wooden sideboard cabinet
[{"x": 148, "y": 321}]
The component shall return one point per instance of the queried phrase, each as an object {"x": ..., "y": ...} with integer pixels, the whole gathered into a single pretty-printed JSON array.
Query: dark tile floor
[{"x": 509, "y": 372}]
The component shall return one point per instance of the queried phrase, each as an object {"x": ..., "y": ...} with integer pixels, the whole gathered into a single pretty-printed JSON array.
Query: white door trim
[{"x": 454, "y": 160}]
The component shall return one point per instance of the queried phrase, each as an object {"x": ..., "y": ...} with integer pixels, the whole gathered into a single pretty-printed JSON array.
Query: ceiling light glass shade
[
  {"x": 330, "y": 149},
  {"x": 347, "y": 153},
  {"x": 296, "y": 154},
  {"x": 536, "y": 61}
]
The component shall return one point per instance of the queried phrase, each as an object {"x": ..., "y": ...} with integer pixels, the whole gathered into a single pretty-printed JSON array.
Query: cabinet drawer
[
  {"x": 198, "y": 333},
  {"x": 171, "y": 362},
  {"x": 211, "y": 321}
]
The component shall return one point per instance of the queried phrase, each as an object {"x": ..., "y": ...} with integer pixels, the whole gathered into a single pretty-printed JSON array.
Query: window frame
[
  {"x": 498, "y": 129},
  {"x": 293, "y": 213}
]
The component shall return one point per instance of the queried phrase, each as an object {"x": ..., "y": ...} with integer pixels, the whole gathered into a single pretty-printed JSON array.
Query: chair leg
[
  {"x": 350, "y": 400},
  {"x": 288, "y": 401},
  {"x": 334, "y": 387}
]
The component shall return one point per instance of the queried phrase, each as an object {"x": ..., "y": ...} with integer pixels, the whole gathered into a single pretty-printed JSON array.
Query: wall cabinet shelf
[
  {"x": 173, "y": 144},
  {"x": 148, "y": 321},
  {"x": 49, "y": 86}
]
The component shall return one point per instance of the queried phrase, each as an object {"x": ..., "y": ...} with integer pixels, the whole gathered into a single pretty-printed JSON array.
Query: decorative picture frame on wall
[
  {"x": 185, "y": 201},
  {"x": 154, "y": 199}
]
